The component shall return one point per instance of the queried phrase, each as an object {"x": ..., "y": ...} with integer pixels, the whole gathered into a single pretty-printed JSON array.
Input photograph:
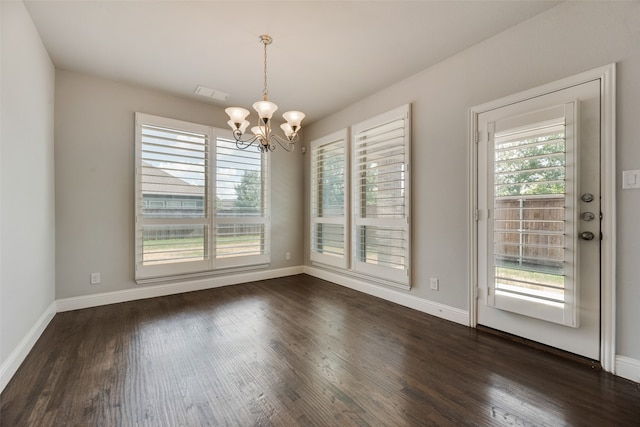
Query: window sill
[
  {"x": 372, "y": 279},
  {"x": 199, "y": 275}
]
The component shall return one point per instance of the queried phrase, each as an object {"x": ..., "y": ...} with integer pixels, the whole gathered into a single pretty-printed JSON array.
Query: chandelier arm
[
  {"x": 282, "y": 142},
  {"x": 244, "y": 144}
]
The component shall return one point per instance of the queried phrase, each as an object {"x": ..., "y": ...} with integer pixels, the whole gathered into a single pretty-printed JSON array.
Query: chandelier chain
[{"x": 265, "y": 93}]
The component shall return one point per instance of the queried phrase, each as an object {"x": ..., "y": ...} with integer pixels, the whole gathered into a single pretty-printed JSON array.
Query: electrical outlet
[
  {"x": 287, "y": 256},
  {"x": 435, "y": 283},
  {"x": 95, "y": 278}
]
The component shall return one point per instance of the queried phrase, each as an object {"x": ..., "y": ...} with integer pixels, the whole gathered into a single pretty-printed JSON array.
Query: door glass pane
[{"x": 529, "y": 213}]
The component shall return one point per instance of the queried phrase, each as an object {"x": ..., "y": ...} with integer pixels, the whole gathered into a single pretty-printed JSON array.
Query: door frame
[{"x": 606, "y": 74}]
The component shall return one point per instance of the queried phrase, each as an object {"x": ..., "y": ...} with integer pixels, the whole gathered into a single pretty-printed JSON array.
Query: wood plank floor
[{"x": 297, "y": 351}]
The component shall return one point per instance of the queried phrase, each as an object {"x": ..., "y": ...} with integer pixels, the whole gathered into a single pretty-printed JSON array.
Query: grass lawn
[{"x": 180, "y": 249}]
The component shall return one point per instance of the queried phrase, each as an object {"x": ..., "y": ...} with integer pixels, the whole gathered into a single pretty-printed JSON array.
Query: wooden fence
[{"x": 529, "y": 230}]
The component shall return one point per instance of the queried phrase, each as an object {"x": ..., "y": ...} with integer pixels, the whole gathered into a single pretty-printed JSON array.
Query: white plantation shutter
[
  {"x": 329, "y": 200},
  {"x": 532, "y": 183},
  {"x": 241, "y": 230},
  {"x": 177, "y": 232},
  {"x": 172, "y": 213},
  {"x": 381, "y": 195}
]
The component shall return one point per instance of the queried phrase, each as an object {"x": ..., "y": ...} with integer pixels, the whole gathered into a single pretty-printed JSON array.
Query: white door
[{"x": 539, "y": 219}]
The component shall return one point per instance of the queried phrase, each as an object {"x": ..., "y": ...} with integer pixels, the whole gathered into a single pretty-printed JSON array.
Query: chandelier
[{"x": 262, "y": 133}]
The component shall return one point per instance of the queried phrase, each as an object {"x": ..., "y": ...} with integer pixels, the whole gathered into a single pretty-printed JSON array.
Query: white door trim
[{"x": 606, "y": 74}]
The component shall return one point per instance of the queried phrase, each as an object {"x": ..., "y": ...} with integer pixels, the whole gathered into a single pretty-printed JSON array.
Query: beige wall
[
  {"x": 568, "y": 39},
  {"x": 27, "y": 222},
  {"x": 94, "y": 160}
]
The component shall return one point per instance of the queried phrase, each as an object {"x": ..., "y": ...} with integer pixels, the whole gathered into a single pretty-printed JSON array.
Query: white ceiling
[{"x": 325, "y": 55}]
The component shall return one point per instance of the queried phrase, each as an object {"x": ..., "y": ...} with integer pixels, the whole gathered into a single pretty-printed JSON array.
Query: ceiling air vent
[{"x": 211, "y": 93}]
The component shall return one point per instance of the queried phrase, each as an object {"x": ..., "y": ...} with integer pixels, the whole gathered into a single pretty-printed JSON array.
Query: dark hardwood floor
[{"x": 297, "y": 351}]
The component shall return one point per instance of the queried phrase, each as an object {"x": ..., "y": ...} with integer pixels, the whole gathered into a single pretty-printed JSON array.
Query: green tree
[
  {"x": 331, "y": 182},
  {"x": 532, "y": 166},
  {"x": 249, "y": 192}
]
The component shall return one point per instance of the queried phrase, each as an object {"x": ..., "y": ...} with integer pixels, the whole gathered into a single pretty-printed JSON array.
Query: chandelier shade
[
  {"x": 287, "y": 129},
  {"x": 262, "y": 136},
  {"x": 265, "y": 109},
  {"x": 293, "y": 118},
  {"x": 237, "y": 114}
]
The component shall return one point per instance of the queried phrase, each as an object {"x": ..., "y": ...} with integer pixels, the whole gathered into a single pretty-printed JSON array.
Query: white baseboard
[
  {"x": 143, "y": 292},
  {"x": 433, "y": 308},
  {"x": 17, "y": 356},
  {"x": 628, "y": 368}
]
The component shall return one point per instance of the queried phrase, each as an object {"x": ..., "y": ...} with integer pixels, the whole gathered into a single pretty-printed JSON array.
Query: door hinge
[
  {"x": 476, "y": 137},
  {"x": 476, "y": 214},
  {"x": 475, "y": 293}
]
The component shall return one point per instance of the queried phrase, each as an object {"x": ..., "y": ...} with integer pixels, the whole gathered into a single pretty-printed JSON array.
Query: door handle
[{"x": 587, "y": 235}]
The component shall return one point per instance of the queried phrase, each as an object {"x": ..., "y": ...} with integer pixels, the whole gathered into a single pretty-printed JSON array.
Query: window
[
  {"x": 379, "y": 246},
  {"x": 241, "y": 205},
  {"x": 179, "y": 228},
  {"x": 381, "y": 196},
  {"x": 329, "y": 200}
]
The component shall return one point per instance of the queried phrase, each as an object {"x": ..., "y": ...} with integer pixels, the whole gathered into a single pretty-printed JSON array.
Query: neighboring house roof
[{"x": 158, "y": 181}]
